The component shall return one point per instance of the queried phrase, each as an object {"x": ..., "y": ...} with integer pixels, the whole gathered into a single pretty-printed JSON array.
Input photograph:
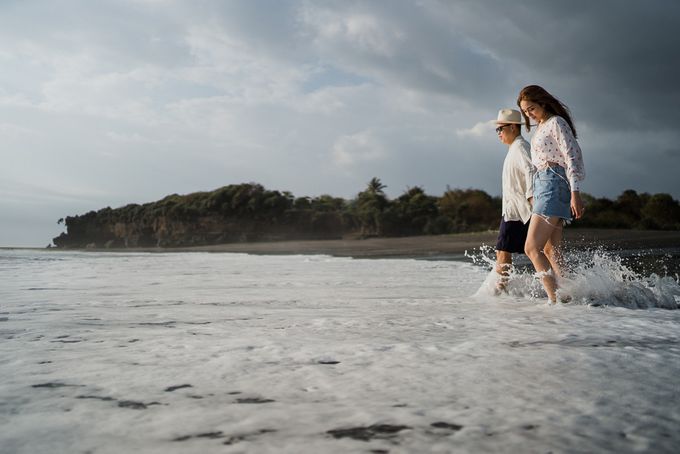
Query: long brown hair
[{"x": 538, "y": 95}]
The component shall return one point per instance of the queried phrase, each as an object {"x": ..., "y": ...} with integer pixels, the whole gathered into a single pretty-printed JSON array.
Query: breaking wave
[{"x": 594, "y": 277}]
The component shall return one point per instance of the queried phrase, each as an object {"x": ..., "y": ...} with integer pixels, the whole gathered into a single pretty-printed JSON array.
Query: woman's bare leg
[
  {"x": 541, "y": 231},
  {"x": 553, "y": 252}
]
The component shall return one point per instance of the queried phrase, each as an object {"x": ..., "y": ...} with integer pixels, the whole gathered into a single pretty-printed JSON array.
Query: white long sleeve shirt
[
  {"x": 518, "y": 173},
  {"x": 554, "y": 142}
]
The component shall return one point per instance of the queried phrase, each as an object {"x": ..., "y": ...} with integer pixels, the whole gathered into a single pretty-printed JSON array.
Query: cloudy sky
[{"x": 109, "y": 102}]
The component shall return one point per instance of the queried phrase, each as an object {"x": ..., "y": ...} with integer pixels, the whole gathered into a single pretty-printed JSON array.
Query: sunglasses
[{"x": 500, "y": 128}]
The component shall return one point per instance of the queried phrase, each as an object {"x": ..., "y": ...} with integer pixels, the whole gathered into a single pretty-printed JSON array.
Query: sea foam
[{"x": 593, "y": 277}]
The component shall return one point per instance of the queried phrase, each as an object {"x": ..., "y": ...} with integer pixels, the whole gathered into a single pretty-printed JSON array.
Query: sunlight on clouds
[
  {"x": 480, "y": 129},
  {"x": 214, "y": 118},
  {"x": 336, "y": 100},
  {"x": 325, "y": 101},
  {"x": 77, "y": 84},
  {"x": 238, "y": 71},
  {"x": 357, "y": 148},
  {"x": 359, "y": 30}
]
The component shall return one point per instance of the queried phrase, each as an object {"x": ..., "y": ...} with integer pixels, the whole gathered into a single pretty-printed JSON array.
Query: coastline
[{"x": 452, "y": 246}]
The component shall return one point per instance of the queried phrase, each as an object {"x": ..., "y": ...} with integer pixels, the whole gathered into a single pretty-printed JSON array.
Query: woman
[{"x": 559, "y": 170}]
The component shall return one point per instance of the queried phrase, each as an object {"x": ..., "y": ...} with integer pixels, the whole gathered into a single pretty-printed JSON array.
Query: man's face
[{"x": 505, "y": 133}]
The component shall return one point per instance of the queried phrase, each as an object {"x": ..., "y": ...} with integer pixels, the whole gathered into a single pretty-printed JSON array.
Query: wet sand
[{"x": 435, "y": 246}]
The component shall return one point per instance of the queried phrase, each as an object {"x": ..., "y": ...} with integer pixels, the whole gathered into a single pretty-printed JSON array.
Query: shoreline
[{"x": 452, "y": 246}]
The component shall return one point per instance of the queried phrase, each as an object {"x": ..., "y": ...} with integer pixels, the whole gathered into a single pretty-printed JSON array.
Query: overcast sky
[{"x": 109, "y": 102}]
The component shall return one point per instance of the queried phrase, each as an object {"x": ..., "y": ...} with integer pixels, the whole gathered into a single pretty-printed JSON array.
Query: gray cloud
[
  {"x": 613, "y": 61},
  {"x": 114, "y": 102}
]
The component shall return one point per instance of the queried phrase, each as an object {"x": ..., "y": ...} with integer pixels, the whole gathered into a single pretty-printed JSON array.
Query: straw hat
[{"x": 509, "y": 116}]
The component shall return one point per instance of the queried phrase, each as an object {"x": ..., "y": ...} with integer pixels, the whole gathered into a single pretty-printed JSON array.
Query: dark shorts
[{"x": 511, "y": 236}]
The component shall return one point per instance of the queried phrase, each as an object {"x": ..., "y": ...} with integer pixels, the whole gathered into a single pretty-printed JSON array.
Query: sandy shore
[{"x": 453, "y": 246}]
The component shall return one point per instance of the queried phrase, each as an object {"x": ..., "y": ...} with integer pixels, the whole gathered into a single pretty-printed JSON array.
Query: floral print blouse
[{"x": 553, "y": 141}]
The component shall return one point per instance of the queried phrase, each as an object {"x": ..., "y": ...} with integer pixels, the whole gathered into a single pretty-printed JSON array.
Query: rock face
[
  {"x": 165, "y": 232},
  {"x": 235, "y": 213}
]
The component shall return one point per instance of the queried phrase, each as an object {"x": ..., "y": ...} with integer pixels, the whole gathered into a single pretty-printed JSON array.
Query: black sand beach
[{"x": 437, "y": 246}]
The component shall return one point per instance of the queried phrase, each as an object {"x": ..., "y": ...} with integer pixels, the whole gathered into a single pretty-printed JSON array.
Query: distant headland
[{"x": 249, "y": 212}]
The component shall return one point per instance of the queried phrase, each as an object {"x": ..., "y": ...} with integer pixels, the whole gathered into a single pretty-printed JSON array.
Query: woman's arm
[
  {"x": 573, "y": 158},
  {"x": 571, "y": 152}
]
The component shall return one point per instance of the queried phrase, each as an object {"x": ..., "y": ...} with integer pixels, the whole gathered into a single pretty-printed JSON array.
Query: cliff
[{"x": 236, "y": 213}]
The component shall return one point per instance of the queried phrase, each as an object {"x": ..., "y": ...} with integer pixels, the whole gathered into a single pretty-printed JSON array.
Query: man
[{"x": 518, "y": 172}]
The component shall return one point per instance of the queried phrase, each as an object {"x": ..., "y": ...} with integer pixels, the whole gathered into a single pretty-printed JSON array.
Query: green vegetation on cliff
[{"x": 249, "y": 212}]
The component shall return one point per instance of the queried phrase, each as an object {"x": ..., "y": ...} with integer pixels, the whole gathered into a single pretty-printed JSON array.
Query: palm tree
[
  {"x": 375, "y": 186},
  {"x": 370, "y": 205}
]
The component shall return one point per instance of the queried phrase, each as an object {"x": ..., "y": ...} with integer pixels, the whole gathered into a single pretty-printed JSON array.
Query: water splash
[
  {"x": 601, "y": 278},
  {"x": 593, "y": 277},
  {"x": 522, "y": 282}
]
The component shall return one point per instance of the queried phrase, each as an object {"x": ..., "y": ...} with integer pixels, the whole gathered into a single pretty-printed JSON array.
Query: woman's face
[{"x": 533, "y": 111}]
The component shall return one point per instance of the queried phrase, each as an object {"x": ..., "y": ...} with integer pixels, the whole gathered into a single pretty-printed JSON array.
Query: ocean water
[{"x": 201, "y": 353}]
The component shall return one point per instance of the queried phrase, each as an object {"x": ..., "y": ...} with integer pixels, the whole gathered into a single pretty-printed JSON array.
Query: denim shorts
[{"x": 552, "y": 194}]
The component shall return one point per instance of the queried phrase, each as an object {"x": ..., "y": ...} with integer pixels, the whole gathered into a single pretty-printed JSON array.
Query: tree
[
  {"x": 376, "y": 187},
  {"x": 630, "y": 204},
  {"x": 470, "y": 209},
  {"x": 410, "y": 213},
  {"x": 661, "y": 212},
  {"x": 369, "y": 207}
]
